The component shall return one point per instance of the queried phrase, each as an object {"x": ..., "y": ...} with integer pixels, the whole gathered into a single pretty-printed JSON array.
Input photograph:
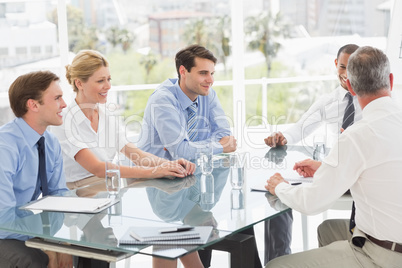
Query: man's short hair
[
  {"x": 29, "y": 86},
  {"x": 368, "y": 71},
  {"x": 348, "y": 49},
  {"x": 186, "y": 57}
]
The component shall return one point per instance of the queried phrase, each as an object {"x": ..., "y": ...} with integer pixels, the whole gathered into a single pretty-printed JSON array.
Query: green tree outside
[
  {"x": 212, "y": 33},
  {"x": 129, "y": 67},
  {"x": 264, "y": 33},
  {"x": 149, "y": 61},
  {"x": 89, "y": 40},
  {"x": 79, "y": 36}
]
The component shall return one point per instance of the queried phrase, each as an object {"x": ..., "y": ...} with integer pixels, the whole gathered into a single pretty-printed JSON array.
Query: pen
[
  {"x": 296, "y": 183},
  {"x": 176, "y": 229}
]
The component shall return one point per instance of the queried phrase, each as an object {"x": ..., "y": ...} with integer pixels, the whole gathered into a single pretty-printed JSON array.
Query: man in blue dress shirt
[
  {"x": 36, "y": 100},
  {"x": 171, "y": 131},
  {"x": 165, "y": 130}
]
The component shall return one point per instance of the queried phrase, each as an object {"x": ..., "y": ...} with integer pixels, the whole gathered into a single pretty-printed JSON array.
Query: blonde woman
[{"x": 89, "y": 135}]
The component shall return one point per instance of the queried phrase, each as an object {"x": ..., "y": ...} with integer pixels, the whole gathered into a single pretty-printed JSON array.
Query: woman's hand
[
  {"x": 171, "y": 169},
  {"x": 190, "y": 167}
]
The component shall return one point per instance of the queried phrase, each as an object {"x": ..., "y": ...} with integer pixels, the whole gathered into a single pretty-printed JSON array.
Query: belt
[{"x": 386, "y": 244}]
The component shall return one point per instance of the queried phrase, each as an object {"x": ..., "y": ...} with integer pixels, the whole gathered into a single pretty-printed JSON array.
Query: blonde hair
[{"x": 84, "y": 64}]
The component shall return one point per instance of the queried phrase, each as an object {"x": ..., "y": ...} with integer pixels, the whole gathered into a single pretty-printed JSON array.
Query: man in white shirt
[
  {"x": 328, "y": 109},
  {"x": 367, "y": 160}
]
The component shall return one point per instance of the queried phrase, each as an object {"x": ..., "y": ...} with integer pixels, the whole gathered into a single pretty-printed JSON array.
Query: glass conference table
[{"x": 197, "y": 200}]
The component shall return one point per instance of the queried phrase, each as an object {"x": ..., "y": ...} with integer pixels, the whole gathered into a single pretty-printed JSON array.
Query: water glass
[
  {"x": 319, "y": 148},
  {"x": 207, "y": 189},
  {"x": 237, "y": 211},
  {"x": 236, "y": 199},
  {"x": 112, "y": 176},
  {"x": 236, "y": 172},
  {"x": 204, "y": 160},
  {"x": 114, "y": 212}
]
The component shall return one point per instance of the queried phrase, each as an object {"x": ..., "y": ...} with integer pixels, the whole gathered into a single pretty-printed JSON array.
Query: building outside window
[{"x": 140, "y": 39}]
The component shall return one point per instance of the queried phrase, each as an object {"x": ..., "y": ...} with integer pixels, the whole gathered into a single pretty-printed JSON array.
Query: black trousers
[
  {"x": 278, "y": 236},
  {"x": 206, "y": 255},
  {"x": 14, "y": 253}
]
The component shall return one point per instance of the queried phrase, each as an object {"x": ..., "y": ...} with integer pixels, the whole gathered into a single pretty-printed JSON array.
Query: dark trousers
[
  {"x": 205, "y": 255},
  {"x": 14, "y": 253},
  {"x": 81, "y": 262},
  {"x": 278, "y": 236}
]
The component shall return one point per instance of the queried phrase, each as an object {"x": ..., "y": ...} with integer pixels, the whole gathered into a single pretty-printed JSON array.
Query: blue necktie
[
  {"x": 192, "y": 122},
  {"x": 42, "y": 166}
]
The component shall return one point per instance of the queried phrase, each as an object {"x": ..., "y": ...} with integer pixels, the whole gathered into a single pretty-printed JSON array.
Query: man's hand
[
  {"x": 59, "y": 260},
  {"x": 229, "y": 144},
  {"x": 307, "y": 168},
  {"x": 276, "y": 139},
  {"x": 64, "y": 260},
  {"x": 273, "y": 182}
]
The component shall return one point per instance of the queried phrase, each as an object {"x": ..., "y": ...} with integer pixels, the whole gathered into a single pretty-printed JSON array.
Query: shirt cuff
[
  {"x": 281, "y": 187},
  {"x": 289, "y": 138},
  {"x": 218, "y": 149}
]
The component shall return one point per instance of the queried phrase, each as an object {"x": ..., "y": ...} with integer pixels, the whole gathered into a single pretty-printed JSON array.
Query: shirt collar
[
  {"x": 30, "y": 135},
  {"x": 78, "y": 114},
  {"x": 183, "y": 99},
  {"x": 341, "y": 93},
  {"x": 376, "y": 104}
]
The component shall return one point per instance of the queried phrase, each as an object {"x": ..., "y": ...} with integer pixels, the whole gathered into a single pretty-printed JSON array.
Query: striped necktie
[
  {"x": 192, "y": 122},
  {"x": 348, "y": 120},
  {"x": 349, "y": 116}
]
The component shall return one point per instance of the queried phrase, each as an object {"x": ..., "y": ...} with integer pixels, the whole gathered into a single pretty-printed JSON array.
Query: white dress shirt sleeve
[{"x": 338, "y": 172}]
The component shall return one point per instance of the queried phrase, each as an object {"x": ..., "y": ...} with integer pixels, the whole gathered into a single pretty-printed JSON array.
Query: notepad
[
  {"x": 151, "y": 235},
  {"x": 71, "y": 204},
  {"x": 261, "y": 186}
]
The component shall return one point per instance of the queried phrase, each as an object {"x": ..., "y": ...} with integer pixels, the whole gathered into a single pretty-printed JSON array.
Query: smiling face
[
  {"x": 199, "y": 79},
  {"x": 51, "y": 105},
  {"x": 341, "y": 63},
  {"x": 94, "y": 90}
]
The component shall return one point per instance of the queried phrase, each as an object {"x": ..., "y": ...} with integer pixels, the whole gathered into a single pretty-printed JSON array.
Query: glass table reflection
[{"x": 200, "y": 199}]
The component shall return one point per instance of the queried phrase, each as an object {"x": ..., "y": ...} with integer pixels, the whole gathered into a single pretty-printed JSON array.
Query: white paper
[{"x": 69, "y": 204}]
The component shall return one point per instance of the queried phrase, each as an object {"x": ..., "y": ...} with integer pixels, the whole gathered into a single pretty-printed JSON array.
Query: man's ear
[
  {"x": 336, "y": 63},
  {"x": 182, "y": 70},
  {"x": 391, "y": 81},
  {"x": 32, "y": 105},
  {"x": 350, "y": 88}
]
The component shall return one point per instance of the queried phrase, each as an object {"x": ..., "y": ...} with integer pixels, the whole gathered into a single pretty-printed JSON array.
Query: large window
[{"x": 286, "y": 56}]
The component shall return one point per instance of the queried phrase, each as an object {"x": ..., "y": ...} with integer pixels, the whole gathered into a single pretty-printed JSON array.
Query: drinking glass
[
  {"x": 114, "y": 212},
  {"x": 204, "y": 159},
  {"x": 207, "y": 189},
  {"x": 237, "y": 207},
  {"x": 319, "y": 148},
  {"x": 237, "y": 199},
  {"x": 236, "y": 172},
  {"x": 112, "y": 176}
]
